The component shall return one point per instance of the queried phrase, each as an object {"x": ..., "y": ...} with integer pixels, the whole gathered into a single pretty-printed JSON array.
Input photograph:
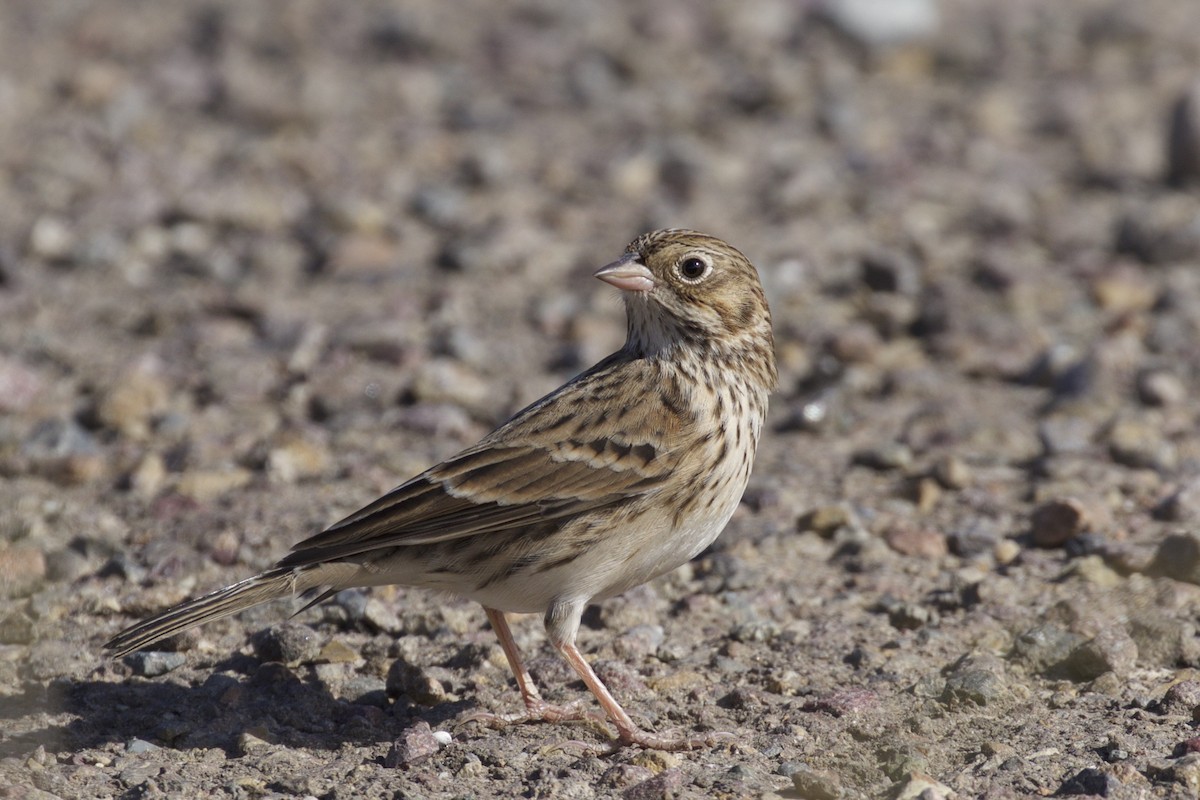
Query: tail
[{"x": 270, "y": 585}]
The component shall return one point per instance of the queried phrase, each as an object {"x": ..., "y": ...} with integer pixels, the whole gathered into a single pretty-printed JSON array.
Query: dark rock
[
  {"x": 415, "y": 744},
  {"x": 289, "y": 643},
  {"x": 976, "y": 679},
  {"x": 1043, "y": 648},
  {"x": 1090, "y": 781},
  {"x": 1055, "y": 522},
  {"x": 1183, "y": 140},
  {"x": 979, "y": 536},
  {"x": 891, "y": 271}
]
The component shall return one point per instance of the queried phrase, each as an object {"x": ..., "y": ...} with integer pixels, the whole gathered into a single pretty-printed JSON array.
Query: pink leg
[
  {"x": 627, "y": 731},
  {"x": 536, "y": 709}
]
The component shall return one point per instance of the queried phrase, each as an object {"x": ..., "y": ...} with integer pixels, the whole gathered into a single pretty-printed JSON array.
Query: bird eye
[{"x": 693, "y": 269}]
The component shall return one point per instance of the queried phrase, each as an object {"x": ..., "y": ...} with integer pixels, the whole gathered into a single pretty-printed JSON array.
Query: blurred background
[{"x": 259, "y": 262}]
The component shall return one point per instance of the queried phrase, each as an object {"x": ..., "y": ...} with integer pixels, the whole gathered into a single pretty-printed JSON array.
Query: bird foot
[
  {"x": 658, "y": 741},
  {"x": 537, "y": 710}
]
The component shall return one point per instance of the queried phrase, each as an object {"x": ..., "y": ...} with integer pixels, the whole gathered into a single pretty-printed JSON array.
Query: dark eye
[{"x": 693, "y": 269}]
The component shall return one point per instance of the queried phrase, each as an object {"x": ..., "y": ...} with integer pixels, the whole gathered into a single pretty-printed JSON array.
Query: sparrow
[{"x": 622, "y": 474}]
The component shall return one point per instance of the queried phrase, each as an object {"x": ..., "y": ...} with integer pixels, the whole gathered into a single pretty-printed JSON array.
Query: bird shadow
[{"x": 267, "y": 700}]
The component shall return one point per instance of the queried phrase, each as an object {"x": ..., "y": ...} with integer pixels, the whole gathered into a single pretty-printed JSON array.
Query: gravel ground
[{"x": 259, "y": 262}]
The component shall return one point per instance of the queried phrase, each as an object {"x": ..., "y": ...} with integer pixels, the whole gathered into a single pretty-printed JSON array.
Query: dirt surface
[{"x": 259, "y": 262}]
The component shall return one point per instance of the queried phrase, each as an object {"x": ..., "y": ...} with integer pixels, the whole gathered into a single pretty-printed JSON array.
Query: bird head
[{"x": 687, "y": 289}]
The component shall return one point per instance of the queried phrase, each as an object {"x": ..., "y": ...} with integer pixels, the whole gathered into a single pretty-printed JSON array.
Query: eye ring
[{"x": 693, "y": 269}]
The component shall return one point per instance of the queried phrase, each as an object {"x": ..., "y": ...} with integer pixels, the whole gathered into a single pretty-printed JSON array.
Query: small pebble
[
  {"x": 914, "y": 541},
  {"x": 1111, "y": 650},
  {"x": 297, "y": 460},
  {"x": 1182, "y": 505},
  {"x": 255, "y": 741},
  {"x": 812, "y": 784},
  {"x": 1055, "y": 522},
  {"x": 1157, "y": 387},
  {"x": 204, "y": 485},
  {"x": 20, "y": 385},
  {"x": 51, "y": 239},
  {"x": 1137, "y": 443},
  {"x": 414, "y": 745},
  {"x": 152, "y": 663},
  {"x": 1045, "y": 647},
  {"x": 1006, "y": 551},
  {"x": 1162, "y": 640},
  {"x": 977, "y": 679},
  {"x": 22, "y": 570},
  {"x": 1183, "y": 699},
  {"x": 338, "y": 652},
  {"x": 149, "y": 476},
  {"x": 926, "y": 494},
  {"x": 979, "y": 535},
  {"x": 380, "y": 616},
  {"x": 353, "y": 602},
  {"x": 288, "y": 643},
  {"x": 656, "y": 760},
  {"x": 824, "y": 520},
  {"x": 1065, "y": 435},
  {"x": 857, "y": 344},
  {"x": 952, "y": 473},
  {"x": 639, "y": 641},
  {"x": 1125, "y": 291},
  {"x": 131, "y": 405},
  {"x": 885, "y": 457},
  {"x": 1178, "y": 557}
]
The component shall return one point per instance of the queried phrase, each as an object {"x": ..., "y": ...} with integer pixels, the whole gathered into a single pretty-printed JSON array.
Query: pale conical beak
[{"x": 627, "y": 274}]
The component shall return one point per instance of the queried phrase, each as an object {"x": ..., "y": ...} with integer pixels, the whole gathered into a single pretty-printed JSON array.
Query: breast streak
[{"x": 682, "y": 525}]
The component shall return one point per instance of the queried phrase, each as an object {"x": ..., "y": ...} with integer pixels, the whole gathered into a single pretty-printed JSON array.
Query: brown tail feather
[{"x": 270, "y": 585}]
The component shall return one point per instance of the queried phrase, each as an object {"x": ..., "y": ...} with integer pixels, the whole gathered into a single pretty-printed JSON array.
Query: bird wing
[{"x": 589, "y": 444}]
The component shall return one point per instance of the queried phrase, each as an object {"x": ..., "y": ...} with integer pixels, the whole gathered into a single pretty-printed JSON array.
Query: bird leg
[
  {"x": 536, "y": 709},
  {"x": 627, "y": 731}
]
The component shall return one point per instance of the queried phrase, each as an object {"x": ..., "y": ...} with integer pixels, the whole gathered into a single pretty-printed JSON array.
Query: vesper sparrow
[{"x": 624, "y": 473}]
